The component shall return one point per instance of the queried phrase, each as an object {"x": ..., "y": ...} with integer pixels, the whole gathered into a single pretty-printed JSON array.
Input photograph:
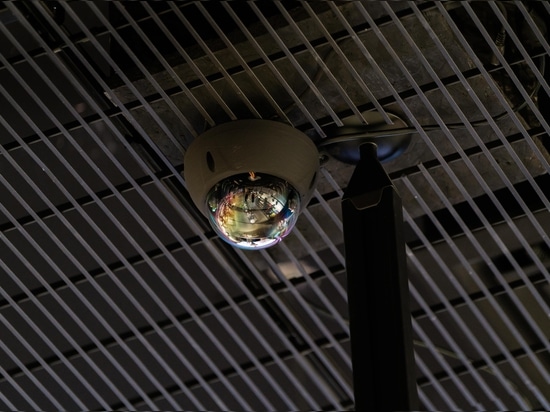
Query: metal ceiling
[{"x": 115, "y": 292}]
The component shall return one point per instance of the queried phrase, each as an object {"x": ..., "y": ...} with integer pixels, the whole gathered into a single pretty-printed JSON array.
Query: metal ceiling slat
[
  {"x": 165, "y": 64},
  {"x": 347, "y": 63},
  {"x": 534, "y": 292},
  {"x": 505, "y": 179},
  {"x": 425, "y": 399},
  {"x": 502, "y": 60},
  {"x": 314, "y": 317},
  {"x": 41, "y": 387},
  {"x": 24, "y": 394},
  {"x": 297, "y": 324},
  {"x": 207, "y": 242},
  {"x": 55, "y": 377},
  {"x": 260, "y": 86},
  {"x": 487, "y": 327},
  {"x": 456, "y": 317},
  {"x": 77, "y": 39},
  {"x": 4, "y": 398},
  {"x": 166, "y": 311},
  {"x": 192, "y": 65},
  {"x": 42, "y": 225},
  {"x": 527, "y": 16},
  {"x": 312, "y": 86},
  {"x": 467, "y": 265},
  {"x": 54, "y": 349},
  {"x": 238, "y": 91},
  {"x": 517, "y": 43},
  {"x": 169, "y": 70},
  {"x": 145, "y": 72},
  {"x": 330, "y": 243},
  {"x": 311, "y": 350},
  {"x": 468, "y": 124},
  {"x": 329, "y": 306},
  {"x": 468, "y": 162},
  {"x": 447, "y": 368},
  {"x": 72, "y": 287},
  {"x": 319, "y": 60},
  {"x": 505, "y": 381},
  {"x": 273, "y": 68},
  {"x": 496, "y": 90},
  {"x": 443, "y": 394},
  {"x": 459, "y": 288},
  {"x": 314, "y": 254},
  {"x": 453, "y": 345},
  {"x": 38, "y": 191}
]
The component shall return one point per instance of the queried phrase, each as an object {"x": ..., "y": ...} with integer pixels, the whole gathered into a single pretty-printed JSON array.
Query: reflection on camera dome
[{"x": 253, "y": 211}]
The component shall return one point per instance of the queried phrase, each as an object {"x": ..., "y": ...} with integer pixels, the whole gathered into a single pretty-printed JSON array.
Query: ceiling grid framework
[{"x": 115, "y": 293}]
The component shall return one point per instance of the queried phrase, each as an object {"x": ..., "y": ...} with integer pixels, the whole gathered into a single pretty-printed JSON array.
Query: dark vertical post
[{"x": 378, "y": 294}]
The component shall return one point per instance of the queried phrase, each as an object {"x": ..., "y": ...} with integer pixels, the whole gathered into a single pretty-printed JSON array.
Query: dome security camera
[{"x": 251, "y": 179}]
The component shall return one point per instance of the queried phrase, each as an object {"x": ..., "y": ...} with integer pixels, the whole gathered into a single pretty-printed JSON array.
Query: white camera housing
[{"x": 226, "y": 165}]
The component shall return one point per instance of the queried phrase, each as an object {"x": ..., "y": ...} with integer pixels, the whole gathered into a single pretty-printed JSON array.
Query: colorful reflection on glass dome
[{"x": 253, "y": 211}]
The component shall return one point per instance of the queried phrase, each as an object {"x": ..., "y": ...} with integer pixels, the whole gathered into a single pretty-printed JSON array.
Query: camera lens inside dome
[{"x": 253, "y": 211}]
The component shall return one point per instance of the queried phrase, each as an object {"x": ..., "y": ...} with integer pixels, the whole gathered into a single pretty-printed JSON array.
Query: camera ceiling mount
[
  {"x": 251, "y": 179},
  {"x": 343, "y": 142}
]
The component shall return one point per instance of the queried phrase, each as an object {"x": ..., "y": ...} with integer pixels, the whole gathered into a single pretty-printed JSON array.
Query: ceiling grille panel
[{"x": 117, "y": 294}]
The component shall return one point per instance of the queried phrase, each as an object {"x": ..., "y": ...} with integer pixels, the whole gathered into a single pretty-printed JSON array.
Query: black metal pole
[{"x": 378, "y": 294}]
